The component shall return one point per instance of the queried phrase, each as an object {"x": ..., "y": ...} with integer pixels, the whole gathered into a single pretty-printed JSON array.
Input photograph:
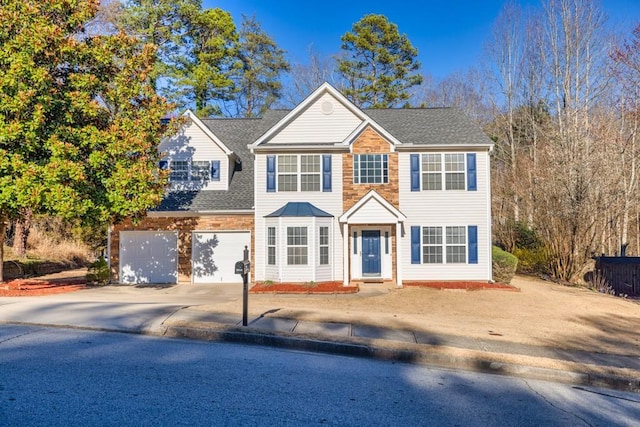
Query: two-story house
[{"x": 324, "y": 192}]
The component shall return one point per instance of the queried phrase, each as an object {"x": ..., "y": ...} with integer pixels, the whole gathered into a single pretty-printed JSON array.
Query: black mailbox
[{"x": 240, "y": 267}]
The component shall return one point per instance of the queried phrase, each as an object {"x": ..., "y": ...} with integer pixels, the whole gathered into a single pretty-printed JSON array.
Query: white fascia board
[
  {"x": 321, "y": 90},
  {"x": 440, "y": 147},
  {"x": 375, "y": 126},
  {"x": 300, "y": 147},
  {"x": 365, "y": 199},
  {"x": 207, "y": 131},
  {"x": 187, "y": 214}
]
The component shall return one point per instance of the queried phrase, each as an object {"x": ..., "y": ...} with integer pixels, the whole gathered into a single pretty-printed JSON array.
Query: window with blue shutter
[
  {"x": 471, "y": 172},
  {"x": 415, "y": 245},
  {"x": 472, "y": 236},
  {"x": 326, "y": 172},
  {"x": 271, "y": 174},
  {"x": 215, "y": 170},
  {"x": 163, "y": 165},
  {"x": 415, "y": 172}
]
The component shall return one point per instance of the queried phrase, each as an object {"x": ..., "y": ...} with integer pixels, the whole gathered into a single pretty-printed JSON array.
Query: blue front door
[{"x": 371, "y": 253}]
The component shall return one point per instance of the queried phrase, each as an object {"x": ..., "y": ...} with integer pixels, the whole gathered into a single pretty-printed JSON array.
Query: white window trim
[
  {"x": 321, "y": 245},
  {"x": 443, "y": 172},
  {"x": 306, "y": 245},
  {"x": 298, "y": 173},
  {"x": 190, "y": 175},
  {"x": 383, "y": 159},
  {"x": 274, "y": 246},
  {"x": 445, "y": 244}
]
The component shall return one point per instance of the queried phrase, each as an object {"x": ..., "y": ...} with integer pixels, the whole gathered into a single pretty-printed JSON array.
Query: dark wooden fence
[{"x": 621, "y": 273}]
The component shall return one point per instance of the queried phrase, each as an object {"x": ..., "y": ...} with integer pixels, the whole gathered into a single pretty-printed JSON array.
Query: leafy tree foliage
[
  {"x": 204, "y": 75},
  {"x": 378, "y": 64},
  {"x": 257, "y": 81},
  {"x": 79, "y": 119},
  {"x": 163, "y": 23}
]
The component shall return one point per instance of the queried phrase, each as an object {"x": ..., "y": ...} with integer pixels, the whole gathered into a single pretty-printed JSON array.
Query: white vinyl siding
[
  {"x": 446, "y": 209},
  {"x": 313, "y": 126},
  {"x": 268, "y": 202},
  {"x": 194, "y": 147}
]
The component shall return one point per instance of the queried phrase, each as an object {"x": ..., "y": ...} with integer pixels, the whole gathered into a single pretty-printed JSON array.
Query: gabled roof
[
  {"x": 319, "y": 92},
  {"x": 367, "y": 199},
  {"x": 298, "y": 209},
  {"x": 236, "y": 134},
  {"x": 207, "y": 131}
]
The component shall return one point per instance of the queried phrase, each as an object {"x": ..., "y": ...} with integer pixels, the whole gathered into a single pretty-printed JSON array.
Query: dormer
[{"x": 197, "y": 158}]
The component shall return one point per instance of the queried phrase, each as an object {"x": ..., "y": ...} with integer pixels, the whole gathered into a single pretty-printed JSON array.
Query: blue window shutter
[
  {"x": 271, "y": 174},
  {"x": 415, "y": 245},
  {"x": 215, "y": 170},
  {"x": 471, "y": 172},
  {"x": 326, "y": 172},
  {"x": 163, "y": 164},
  {"x": 472, "y": 236},
  {"x": 415, "y": 172}
]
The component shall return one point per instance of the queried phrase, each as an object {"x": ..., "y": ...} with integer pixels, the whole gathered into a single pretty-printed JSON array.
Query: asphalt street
[{"x": 72, "y": 377}]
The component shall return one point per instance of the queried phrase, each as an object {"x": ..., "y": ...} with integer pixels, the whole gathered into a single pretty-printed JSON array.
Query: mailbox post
[{"x": 243, "y": 268}]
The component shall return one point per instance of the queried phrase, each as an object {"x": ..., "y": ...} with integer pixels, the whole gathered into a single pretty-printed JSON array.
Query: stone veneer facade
[
  {"x": 371, "y": 142},
  {"x": 185, "y": 226}
]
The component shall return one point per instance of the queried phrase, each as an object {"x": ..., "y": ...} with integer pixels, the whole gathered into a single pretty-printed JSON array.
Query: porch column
[
  {"x": 345, "y": 254},
  {"x": 398, "y": 255}
]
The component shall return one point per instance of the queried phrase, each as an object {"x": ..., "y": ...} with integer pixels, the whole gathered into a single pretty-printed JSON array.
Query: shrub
[
  {"x": 98, "y": 273},
  {"x": 504, "y": 265},
  {"x": 532, "y": 260}
]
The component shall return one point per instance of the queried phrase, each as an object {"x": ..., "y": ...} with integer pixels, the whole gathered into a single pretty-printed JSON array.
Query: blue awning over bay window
[{"x": 298, "y": 209}]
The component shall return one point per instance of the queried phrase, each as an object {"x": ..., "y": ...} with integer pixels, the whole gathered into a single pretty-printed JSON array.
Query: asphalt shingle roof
[
  {"x": 421, "y": 126},
  {"x": 429, "y": 126}
]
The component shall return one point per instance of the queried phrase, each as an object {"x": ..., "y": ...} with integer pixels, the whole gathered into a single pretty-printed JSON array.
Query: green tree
[
  {"x": 257, "y": 81},
  {"x": 163, "y": 23},
  {"x": 79, "y": 119},
  {"x": 378, "y": 63},
  {"x": 203, "y": 76}
]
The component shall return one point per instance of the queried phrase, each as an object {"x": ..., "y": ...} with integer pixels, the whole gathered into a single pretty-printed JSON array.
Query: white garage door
[
  {"x": 215, "y": 255},
  {"x": 148, "y": 257}
]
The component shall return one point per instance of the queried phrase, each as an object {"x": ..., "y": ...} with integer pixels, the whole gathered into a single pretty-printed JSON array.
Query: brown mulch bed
[
  {"x": 41, "y": 287},
  {"x": 303, "y": 288},
  {"x": 461, "y": 285}
]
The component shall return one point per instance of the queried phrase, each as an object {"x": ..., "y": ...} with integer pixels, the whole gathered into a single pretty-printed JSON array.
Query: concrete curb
[{"x": 405, "y": 355}]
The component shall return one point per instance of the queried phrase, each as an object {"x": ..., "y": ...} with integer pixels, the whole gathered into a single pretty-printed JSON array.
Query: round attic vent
[{"x": 326, "y": 107}]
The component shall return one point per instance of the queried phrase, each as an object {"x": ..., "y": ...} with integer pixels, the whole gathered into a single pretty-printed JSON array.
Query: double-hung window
[
  {"x": 443, "y": 169},
  {"x": 370, "y": 168},
  {"x": 194, "y": 170},
  {"x": 271, "y": 246},
  {"x": 287, "y": 173},
  {"x": 299, "y": 172},
  {"x": 323, "y": 239},
  {"x": 453, "y": 244},
  {"x": 309, "y": 173},
  {"x": 456, "y": 241},
  {"x": 297, "y": 248},
  {"x": 454, "y": 171},
  {"x": 432, "y": 245},
  {"x": 179, "y": 171},
  {"x": 200, "y": 170}
]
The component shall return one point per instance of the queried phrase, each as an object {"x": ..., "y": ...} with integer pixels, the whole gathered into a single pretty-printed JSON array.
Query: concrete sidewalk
[
  {"x": 508, "y": 333},
  {"x": 620, "y": 372}
]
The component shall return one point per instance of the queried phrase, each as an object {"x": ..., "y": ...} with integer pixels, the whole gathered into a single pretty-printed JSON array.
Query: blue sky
[{"x": 448, "y": 34}]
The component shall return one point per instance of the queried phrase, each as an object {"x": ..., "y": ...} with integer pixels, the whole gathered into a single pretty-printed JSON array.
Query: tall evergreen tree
[
  {"x": 378, "y": 64},
  {"x": 257, "y": 80}
]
